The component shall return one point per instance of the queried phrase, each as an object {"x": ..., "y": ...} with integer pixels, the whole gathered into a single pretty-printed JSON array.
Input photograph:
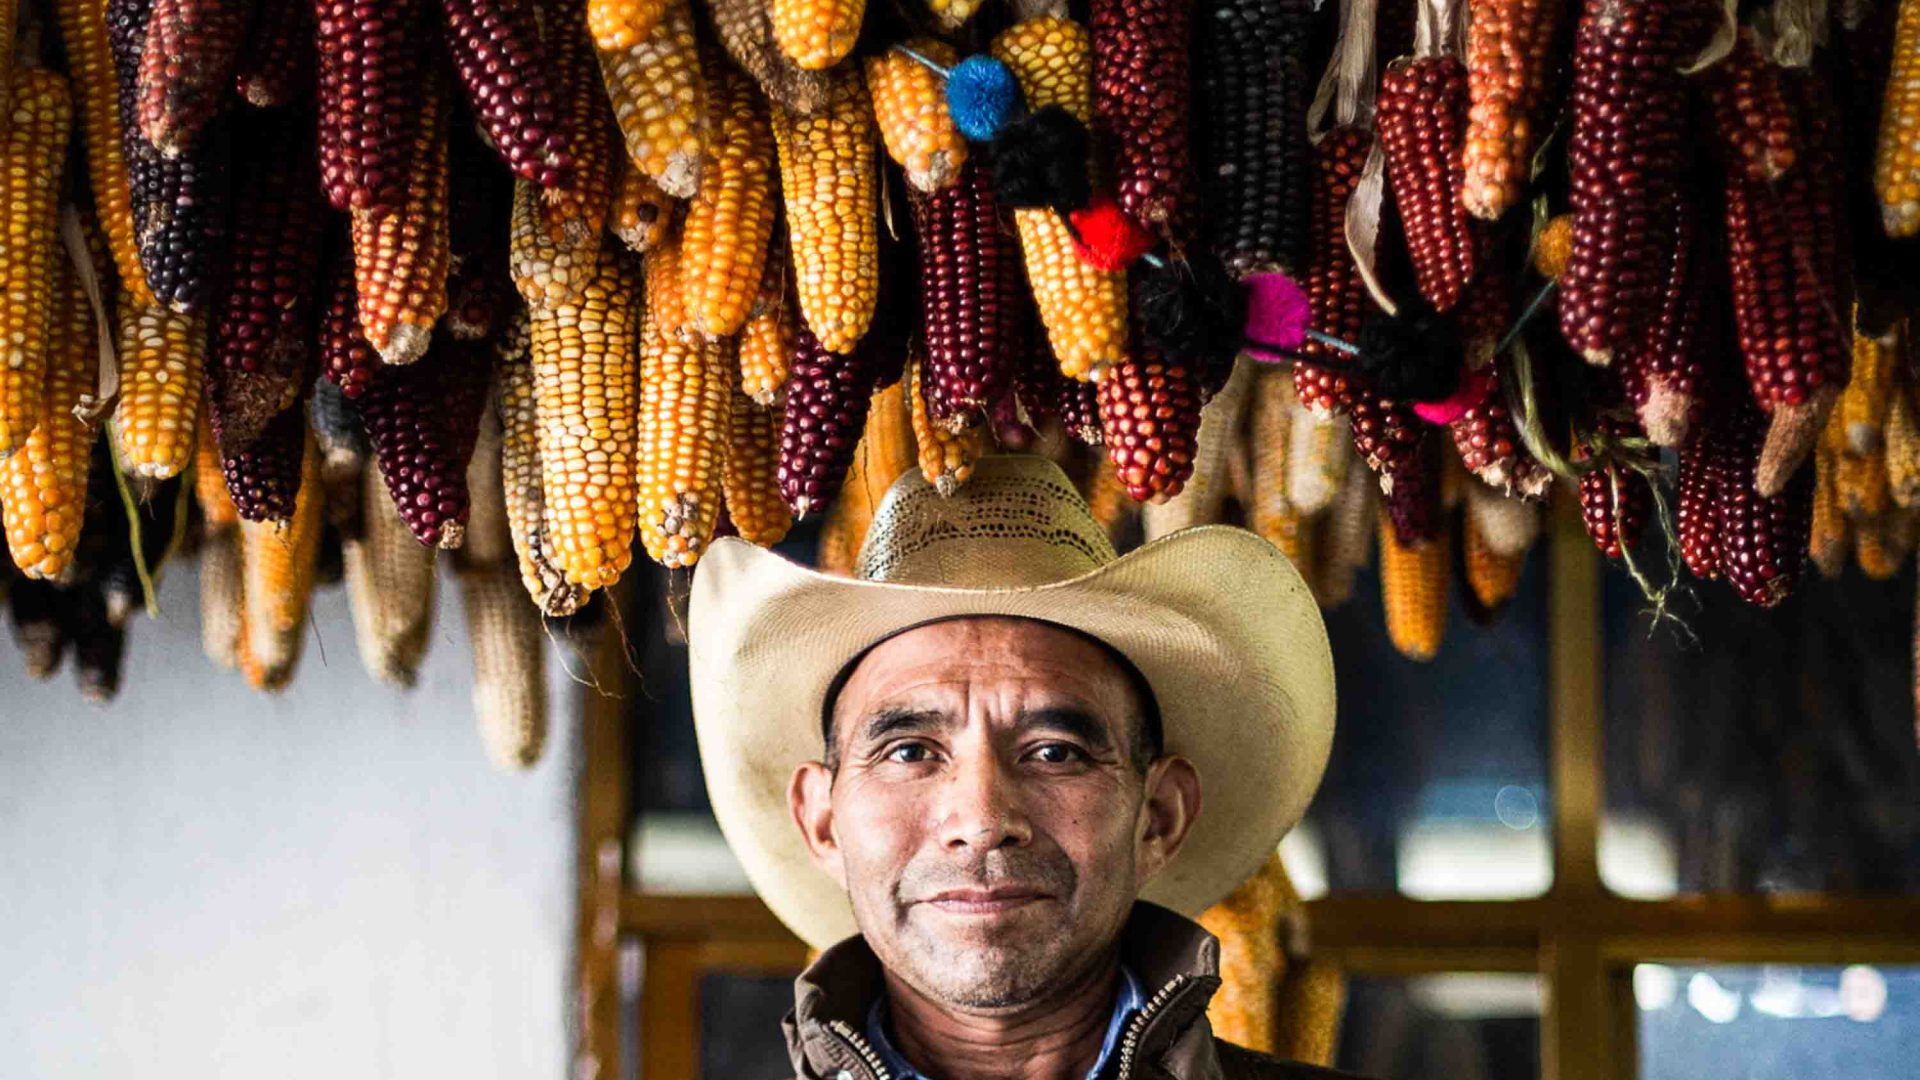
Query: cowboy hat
[{"x": 1216, "y": 619}]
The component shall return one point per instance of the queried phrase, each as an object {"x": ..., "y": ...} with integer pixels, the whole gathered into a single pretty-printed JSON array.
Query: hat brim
[{"x": 1216, "y": 618}]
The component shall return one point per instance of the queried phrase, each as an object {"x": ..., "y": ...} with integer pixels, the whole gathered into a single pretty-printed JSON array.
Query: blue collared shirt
[{"x": 1125, "y": 1005}]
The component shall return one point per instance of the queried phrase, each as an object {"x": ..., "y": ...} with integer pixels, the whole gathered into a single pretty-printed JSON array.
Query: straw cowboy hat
[{"x": 1215, "y": 618}]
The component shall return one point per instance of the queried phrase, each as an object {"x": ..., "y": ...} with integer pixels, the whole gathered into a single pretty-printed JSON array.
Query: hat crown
[{"x": 1018, "y": 521}]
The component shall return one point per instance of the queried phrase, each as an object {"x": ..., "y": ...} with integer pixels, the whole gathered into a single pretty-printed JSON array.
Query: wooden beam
[
  {"x": 601, "y": 817},
  {"x": 1577, "y": 758}
]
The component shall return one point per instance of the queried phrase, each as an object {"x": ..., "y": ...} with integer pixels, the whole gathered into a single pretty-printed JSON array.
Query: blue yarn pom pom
[{"x": 981, "y": 96}]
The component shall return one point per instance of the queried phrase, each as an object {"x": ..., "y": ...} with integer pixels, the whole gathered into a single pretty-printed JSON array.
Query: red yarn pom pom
[{"x": 1106, "y": 238}]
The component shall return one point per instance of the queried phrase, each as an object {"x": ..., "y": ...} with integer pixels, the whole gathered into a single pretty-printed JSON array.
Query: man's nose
[{"x": 981, "y": 808}]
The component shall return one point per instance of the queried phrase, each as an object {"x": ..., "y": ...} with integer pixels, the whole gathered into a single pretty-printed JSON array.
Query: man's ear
[
  {"x": 810, "y": 800},
  {"x": 1167, "y": 815}
]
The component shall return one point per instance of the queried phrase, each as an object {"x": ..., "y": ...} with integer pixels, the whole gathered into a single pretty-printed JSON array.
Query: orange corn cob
[
  {"x": 83, "y": 32},
  {"x": 622, "y": 24},
  {"x": 745, "y": 30},
  {"x": 162, "y": 353},
  {"x": 751, "y": 479},
  {"x": 766, "y": 342},
  {"x": 1509, "y": 49},
  {"x": 817, "y": 34},
  {"x": 210, "y": 483},
  {"x": 1413, "y": 586},
  {"x": 946, "y": 457},
  {"x": 910, "y": 106},
  {"x": 1271, "y": 513},
  {"x": 35, "y": 146},
  {"x": 1494, "y": 577},
  {"x": 953, "y": 14},
  {"x": 44, "y": 486},
  {"x": 1902, "y": 437},
  {"x": 723, "y": 242},
  {"x": 400, "y": 261},
  {"x": 660, "y": 103},
  {"x": 1252, "y": 963},
  {"x": 686, "y": 398},
  {"x": 1896, "y": 175},
  {"x": 641, "y": 212},
  {"x": 1830, "y": 535},
  {"x": 277, "y": 563},
  {"x": 828, "y": 179}
]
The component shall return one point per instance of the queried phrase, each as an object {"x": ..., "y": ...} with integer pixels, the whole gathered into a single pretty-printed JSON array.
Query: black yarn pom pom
[
  {"x": 1040, "y": 160},
  {"x": 1192, "y": 310},
  {"x": 1413, "y": 356}
]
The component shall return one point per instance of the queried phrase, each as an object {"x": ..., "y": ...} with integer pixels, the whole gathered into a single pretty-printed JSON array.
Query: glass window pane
[
  {"x": 1463, "y": 1026},
  {"x": 1437, "y": 787},
  {"x": 1793, "y": 1023},
  {"x": 740, "y": 1026},
  {"x": 1777, "y": 755}
]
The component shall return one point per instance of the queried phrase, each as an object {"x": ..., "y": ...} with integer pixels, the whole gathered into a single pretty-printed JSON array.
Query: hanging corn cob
[
  {"x": 277, "y": 565},
  {"x": 276, "y": 61},
  {"x": 1697, "y": 517},
  {"x": 1614, "y": 499},
  {"x": 83, "y": 33},
  {"x": 575, "y": 212},
  {"x": 1663, "y": 371},
  {"x": 509, "y": 668},
  {"x": 547, "y": 272},
  {"x": 946, "y": 456},
  {"x": 829, "y": 183},
  {"x": 686, "y": 398},
  {"x": 505, "y": 71},
  {"x": 31, "y": 155},
  {"x": 1422, "y": 116},
  {"x": 1255, "y": 161},
  {"x": 261, "y": 343},
  {"x": 220, "y": 599},
  {"x": 421, "y": 421},
  {"x": 342, "y": 441},
  {"x": 1411, "y": 479},
  {"x": 179, "y": 201},
  {"x": 766, "y": 342},
  {"x": 828, "y": 395},
  {"x": 1760, "y": 542},
  {"x": 1140, "y": 99},
  {"x": 1884, "y": 545},
  {"x": 1903, "y": 449},
  {"x": 641, "y": 212},
  {"x": 162, "y": 356},
  {"x": 1865, "y": 403},
  {"x": 1488, "y": 441},
  {"x": 1498, "y": 531},
  {"x": 622, "y": 24},
  {"x": 885, "y": 451},
  {"x": 43, "y": 486},
  {"x": 1830, "y": 534},
  {"x": 910, "y": 108},
  {"x": 1750, "y": 116},
  {"x": 969, "y": 297},
  {"x": 1149, "y": 417},
  {"x": 1272, "y": 513},
  {"x": 1413, "y": 590},
  {"x": 751, "y": 479},
  {"x": 210, "y": 484},
  {"x": 263, "y": 478},
  {"x": 660, "y": 101},
  {"x": 1335, "y": 293},
  {"x": 1048, "y": 394},
  {"x": 1084, "y": 308},
  {"x": 390, "y": 586},
  {"x": 816, "y": 34},
  {"x": 521, "y": 478},
  {"x": 586, "y": 392},
  {"x": 1319, "y": 450},
  {"x": 745, "y": 29},
  {"x": 400, "y": 260},
  {"x": 368, "y": 73},
  {"x": 723, "y": 241},
  {"x": 1509, "y": 63},
  {"x": 479, "y": 212},
  {"x": 1218, "y": 464},
  {"x": 1247, "y": 923},
  {"x": 185, "y": 68},
  {"x": 1896, "y": 176}
]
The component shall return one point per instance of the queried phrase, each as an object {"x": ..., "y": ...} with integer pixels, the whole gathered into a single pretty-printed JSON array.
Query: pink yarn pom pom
[
  {"x": 1474, "y": 388},
  {"x": 1277, "y": 316}
]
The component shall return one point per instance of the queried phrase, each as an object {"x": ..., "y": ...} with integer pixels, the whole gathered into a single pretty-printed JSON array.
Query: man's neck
[{"x": 1055, "y": 1039}]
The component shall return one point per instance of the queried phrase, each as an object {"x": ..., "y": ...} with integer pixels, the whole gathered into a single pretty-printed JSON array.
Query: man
[{"x": 998, "y": 767}]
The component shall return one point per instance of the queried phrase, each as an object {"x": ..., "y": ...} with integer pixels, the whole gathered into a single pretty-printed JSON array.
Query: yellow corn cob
[
  {"x": 1881, "y": 545},
  {"x": 1829, "y": 538},
  {"x": 817, "y": 34},
  {"x": 524, "y": 500},
  {"x": 400, "y": 260},
  {"x": 1860, "y": 484},
  {"x": 686, "y": 398},
  {"x": 277, "y": 564},
  {"x": 1903, "y": 449},
  {"x": 1252, "y": 963},
  {"x": 1107, "y": 500},
  {"x": 220, "y": 599},
  {"x": 1311, "y": 1000},
  {"x": 209, "y": 483},
  {"x": 44, "y": 486},
  {"x": 886, "y": 450},
  {"x": 1413, "y": 586},
  {"x": 389, "y": 588},
  {"x": 31, "y": 155},
  {"x": 953, "y": 14},
  {"x": 1271, "y": 512},
  {"x": 1493, "y": 577},
  {"x": 161, "y": 353},
  {"x": 509, "y": 667},
  {"x": 1084, "y": 309},
  {"x": 1862, "y": 411},
  {"x": 622, "y": 24},
  {"x": 723, "y": 242},
  {"x": 760, "y": 515},
  {"x": 547, "y": 272},
  {"x": 489, "y": 540},
  {"x": 83, "y": 31},
  {"x": 641, "y": 212},
  {"x": 660, "y": 102},
  {"x": 828, "y": 179},
  {"x": 1345, "y": 543},
  {"x": 1896, "y": 175},
  {"x": 946, "y": 457},
  {"x": 766, "y": 342},
  {"x": 585, "y": 389},
  {"x": 910, "y": 106}
]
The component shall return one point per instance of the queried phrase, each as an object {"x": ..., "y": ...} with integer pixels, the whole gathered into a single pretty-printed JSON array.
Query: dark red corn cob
[
  {"x": 1385, "y": 433},
  {"x": 1485, "y": 313},
  {"x": 1410, "y": 494},
  {"x": 369, "y": 76},
  {"x": 276, "y": 63},
  {"x": 1254, "y": 161},
  {"x": 1750, "y": 116},
  {"x": 478, "y": 284},
  {"x": 346, "y": 358},
  {"x": 1760, "y": 542},
  {"x": 970, "y": 295},
  {"x": 1334, "y": 290},
  {"x": 1489, "y": 444},
  {"x": 1662, "y": 373},
  {"x": 263, "y": 477},
  {"x": 828, "y": 395},
  {"x": 180, "y": 202},
  {"x": 1045, "y": 393},
  {"x": 507, "y": 76},
  {"x": 1140, "y": 96},
  {"x": 1697, "y": 517},
  {"x": 1422, "y": 118},
  {"x": 262, "y": 326},
  {"x": 1150, "y": 422},
  {"x": 186, "y": 66},
  {"x": 576, "y": 210},
  {"x": 421, "y": 420},
  {"x": 1614, "y": 526},
  {"x": 1627, "y": 149}
]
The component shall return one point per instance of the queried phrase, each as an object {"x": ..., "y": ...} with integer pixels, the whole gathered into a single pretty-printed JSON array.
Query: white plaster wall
[{"x": 202, "y": 882}]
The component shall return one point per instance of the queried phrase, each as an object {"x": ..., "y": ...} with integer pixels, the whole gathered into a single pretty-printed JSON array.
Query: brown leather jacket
[{"x": 1176, "y": 961}]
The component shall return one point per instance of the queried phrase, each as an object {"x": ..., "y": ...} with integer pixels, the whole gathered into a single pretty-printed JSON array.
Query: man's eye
[
  {"x": 907, "y": 753},
  {"x": 1058, "y": 753}
]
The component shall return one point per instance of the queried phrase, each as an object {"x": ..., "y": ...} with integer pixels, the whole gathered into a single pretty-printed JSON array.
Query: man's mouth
[{"x": 994, "y": 901}]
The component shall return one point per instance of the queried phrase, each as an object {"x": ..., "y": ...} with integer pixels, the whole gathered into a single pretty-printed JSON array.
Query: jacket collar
[{"x": 1176, "y": 960}]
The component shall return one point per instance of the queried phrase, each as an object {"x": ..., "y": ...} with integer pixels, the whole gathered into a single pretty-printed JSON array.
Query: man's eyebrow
[
  {"x": 1067, "y": 719},
  {"x": 893, "y": 721}
]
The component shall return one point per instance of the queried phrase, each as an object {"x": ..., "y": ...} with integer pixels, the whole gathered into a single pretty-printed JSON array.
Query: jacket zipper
[
  {"x": 1130, "y": 1042},
  {"x": 876, "y": 1068}
]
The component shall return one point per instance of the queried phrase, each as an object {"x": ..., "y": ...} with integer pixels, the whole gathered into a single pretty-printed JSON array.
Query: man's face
[{"x": 986, "y": 816}]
